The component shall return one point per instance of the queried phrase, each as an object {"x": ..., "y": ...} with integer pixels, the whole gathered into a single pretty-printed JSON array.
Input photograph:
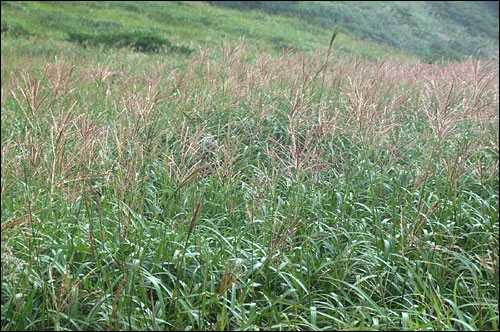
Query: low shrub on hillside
[{"x": 139, "y": 41}]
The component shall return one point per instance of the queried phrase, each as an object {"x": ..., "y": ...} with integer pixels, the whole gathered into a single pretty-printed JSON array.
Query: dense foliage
[
  {"x": 236, "y": 189},
  {"x": 243, "y": 185}
]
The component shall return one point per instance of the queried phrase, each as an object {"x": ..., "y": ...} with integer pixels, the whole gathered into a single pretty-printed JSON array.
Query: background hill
[{"x": 429, "y": 30}]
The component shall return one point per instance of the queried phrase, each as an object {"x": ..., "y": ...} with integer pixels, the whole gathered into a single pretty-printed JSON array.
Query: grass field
[
  {"x": 235, "y": 187},
  {"x": 184, "y": 24}
]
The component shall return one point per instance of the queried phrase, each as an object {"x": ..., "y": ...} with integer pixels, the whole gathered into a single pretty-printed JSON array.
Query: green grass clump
[{"x": 13, "y": 29}]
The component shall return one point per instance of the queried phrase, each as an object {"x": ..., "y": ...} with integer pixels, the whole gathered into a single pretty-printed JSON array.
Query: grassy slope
[
  {"x": 431, "y": 29},
  {"x": 182, "y": 23}
]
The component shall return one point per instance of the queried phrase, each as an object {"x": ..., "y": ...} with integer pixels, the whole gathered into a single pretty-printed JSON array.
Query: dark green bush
[{"x": 140, "y": 41}]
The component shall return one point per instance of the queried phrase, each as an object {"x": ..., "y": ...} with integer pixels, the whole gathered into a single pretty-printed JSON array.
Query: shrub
[{"x": 139, "y": 41}]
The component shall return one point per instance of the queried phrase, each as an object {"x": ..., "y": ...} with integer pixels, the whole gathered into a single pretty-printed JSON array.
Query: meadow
[{"x": 239, "y": 189}]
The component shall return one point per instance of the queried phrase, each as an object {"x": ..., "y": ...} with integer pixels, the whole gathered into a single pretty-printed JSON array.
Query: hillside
[
  {"x": 182, "y": 24},
  {"x": 429, "y": 30}
]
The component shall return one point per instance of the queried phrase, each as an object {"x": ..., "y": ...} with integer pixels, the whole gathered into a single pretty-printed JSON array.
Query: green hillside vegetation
[
  {"x": 185, "y": 166},
  {"x": 178, "y": 25},
  {"x": 431, "y": 29}
]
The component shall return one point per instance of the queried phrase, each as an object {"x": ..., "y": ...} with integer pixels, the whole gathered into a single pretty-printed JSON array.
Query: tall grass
[{"x": 240, "y": 190}]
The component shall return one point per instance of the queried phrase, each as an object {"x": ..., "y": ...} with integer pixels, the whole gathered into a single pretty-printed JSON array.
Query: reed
[{"x": 235, "y": 190}]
